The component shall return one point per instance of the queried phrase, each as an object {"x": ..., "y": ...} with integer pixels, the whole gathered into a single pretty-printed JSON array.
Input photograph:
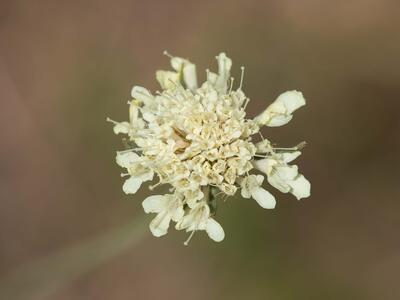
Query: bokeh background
[{"x": 67, "y": 231}]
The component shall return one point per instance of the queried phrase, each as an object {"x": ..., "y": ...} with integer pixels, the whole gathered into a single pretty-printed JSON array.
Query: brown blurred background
[{"x": 67, "y": 231}]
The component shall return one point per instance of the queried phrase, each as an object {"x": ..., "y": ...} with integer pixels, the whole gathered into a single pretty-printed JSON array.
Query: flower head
[{"x": 197, "y": 140}]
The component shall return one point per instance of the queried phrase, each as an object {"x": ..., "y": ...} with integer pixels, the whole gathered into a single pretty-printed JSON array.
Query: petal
[
  {"x": 190, "y": 76},
  {"x": 278, "y": 183},
  {"x": 159, "y": 225},
  {"x": 131, "y": 185},
  {"x": 264, "y": 198},
  {"x": 286, "y": 172},
  {"x": 133, "y": 112},
  {"x": 142, "y": 94},
  {"x": 287, "y": 157},
  {"x": 280, "y": 111},
  {"x": 263, "y": 146},
  {"x": 147, "y": 176},
  {"x": 148, "y": 116},
  {"x": 155, "y": 204},
  {"x": 178, "y": 214},
  {"x": 167, "y": 79},
  {"x": 278, "y": 120},
  {"x": 185, "y": 222},
  {"x": 245, "y": 193},
  {"x": 122, "y": 127},
  {"x": 177, "y": 63},
  {"x": 301, "y": 187},
  {"x": 126, "y": 159},
  {"x": 214, "y": 230},
  {"x": 292, "y": 100},
  {"x": 259, "y": 179},
  {"x": 224, "y": 68},
  {"x": 264, "y": 165}
]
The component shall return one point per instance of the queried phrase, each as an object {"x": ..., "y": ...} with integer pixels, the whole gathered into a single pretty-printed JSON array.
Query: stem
[
  {"x": 206, "y": 191},
  {"x": 45, "y": 276}
]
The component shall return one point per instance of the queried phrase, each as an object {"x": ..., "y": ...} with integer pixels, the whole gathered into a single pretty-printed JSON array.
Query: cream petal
[
  {"x": 167, "y": 79},
  {"x": 122, "y": 127},
  {"x": 142, "y": 94},
  {"x": 263, "y": 146},
  {"x": 301, "y": 187},
  {"x": 214, "y": 230},
  {"x": 126, "y": 159},
  {"x": 178, "y": 214},
  {"x": 190, "y": 76},
  {"x": 148, "y": 116},
  {"x": 133, "y": 112},
  {"x": 292, "y": 100},
  {"x": 278, "y": 183},
  {"x": 131, "y": 185},
  {"x": 280, "y": 111},
  {"x": 288, "y": 157},
  {"x": 159, "y": 225},
  {"x": 278, "y": 120},
  {"x": 264, "y": 198},
  {"x": 264, "y": 165},
  {"x": 259, "y": 179},
  {"x": 245, "y": 193},
  {"x": 177, "y": 63},
  {"x": 224, "y": 68},
  {"x": 286, "y": 172},
  {"x": 185, "y": 222},
  {"x": 155, "y": 204},
  {"x": 212, "y": 78},
  {"x": 148, "y": 176}
]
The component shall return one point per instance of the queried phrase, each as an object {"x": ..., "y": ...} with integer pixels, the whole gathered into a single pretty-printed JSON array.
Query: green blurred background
[{"x": 67, "y": 231}]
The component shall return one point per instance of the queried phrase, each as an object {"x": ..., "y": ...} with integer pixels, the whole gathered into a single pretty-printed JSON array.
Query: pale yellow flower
[{"x": 197, "y": 139}]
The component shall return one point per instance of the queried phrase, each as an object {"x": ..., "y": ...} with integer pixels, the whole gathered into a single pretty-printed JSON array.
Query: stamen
[
  {"x": 262, "y": 137},
  {"x": 167, "y": 54},
  {"x": 151, "y": 187},
  {"x": 241, "y": 77},
  {"x": 230, "y": 89},
  {"x": 299, "y": 146},
  {"x": 247, "y": 102},
  {"x": 261, "y": 155},
  {"x": 129, "y": 150},
  {"x": 208, "y": 74},
  {"x": 189, "y": 238},
  {"x": 111, "y": 121},
  {"x": 124, "y": 174}
]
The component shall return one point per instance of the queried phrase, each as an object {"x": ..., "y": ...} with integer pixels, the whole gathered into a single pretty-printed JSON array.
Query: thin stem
[{"x": 45, "y": 276}]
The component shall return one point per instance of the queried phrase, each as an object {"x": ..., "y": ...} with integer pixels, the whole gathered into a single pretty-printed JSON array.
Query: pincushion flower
[{"x": 197, "y": 140}]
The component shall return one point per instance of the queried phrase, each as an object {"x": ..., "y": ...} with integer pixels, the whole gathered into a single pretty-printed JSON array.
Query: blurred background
[{"x": 67, "y": 231}]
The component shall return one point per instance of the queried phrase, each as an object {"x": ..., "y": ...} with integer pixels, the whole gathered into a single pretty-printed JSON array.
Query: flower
[
  {"x": 284, "y": 177},
  {"x": 198, "y": 140},
  {"x": 138, "y": 173},
  {"x": 167, "y": 207},
  {"x": 251, "y": 187},
  {"x": 199, "y": 218},
  {"x": 280, "y": 111}
]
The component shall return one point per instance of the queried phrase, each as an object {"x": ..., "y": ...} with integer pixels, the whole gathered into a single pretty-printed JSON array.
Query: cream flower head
[{"x": 197, "y": 140}]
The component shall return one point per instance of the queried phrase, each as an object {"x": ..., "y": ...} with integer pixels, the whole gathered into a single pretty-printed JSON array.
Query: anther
[
  {"x": 230, "y": 89},
  {"x": 111, "y": 121},
  {"x": 167, "y": 54}
]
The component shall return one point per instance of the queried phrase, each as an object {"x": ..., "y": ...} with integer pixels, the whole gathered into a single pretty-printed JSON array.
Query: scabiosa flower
[{"x": 198, "y": 141}]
